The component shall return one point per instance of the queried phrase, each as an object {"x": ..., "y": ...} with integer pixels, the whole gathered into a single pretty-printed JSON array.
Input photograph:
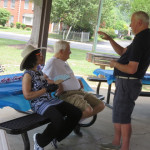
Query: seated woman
[{"x": 37, "y": 91}]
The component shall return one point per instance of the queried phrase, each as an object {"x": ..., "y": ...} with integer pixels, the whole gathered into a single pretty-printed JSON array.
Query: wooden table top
[{"x": 100, "y": 59}]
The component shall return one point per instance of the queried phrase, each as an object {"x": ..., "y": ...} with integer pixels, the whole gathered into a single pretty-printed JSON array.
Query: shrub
[
  {"x": 18, "y": 25},
  {"x": 28, "y": 29},
  {"x": 128, "y": 37},
  {"x": 12, "y": 25},
  {"x": 4, "y": 16},
  {"x": 23, "y": 26}
]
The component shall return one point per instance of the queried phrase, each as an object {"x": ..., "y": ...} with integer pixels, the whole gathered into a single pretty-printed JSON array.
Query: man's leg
[
  {"x": 78, "y": 101},
  {"x": 98, "y": 108},
  {"x": 94, "y": 102},
  {"x": 88, "y": 112},
  {"x": 126, "y": 130},
  {"x": 117, "y": 134}
]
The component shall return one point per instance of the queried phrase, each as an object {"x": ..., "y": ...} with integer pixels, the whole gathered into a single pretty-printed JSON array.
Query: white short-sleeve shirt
[{"x": 55, "y": 66}]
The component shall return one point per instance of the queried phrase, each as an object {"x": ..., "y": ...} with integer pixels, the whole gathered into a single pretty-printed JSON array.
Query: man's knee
[
  {"x": 101, "y": 106},
  {"x": 88, "y": 110}
]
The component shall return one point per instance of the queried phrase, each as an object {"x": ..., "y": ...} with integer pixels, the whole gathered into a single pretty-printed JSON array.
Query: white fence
[{"x": 74, "y": 36}]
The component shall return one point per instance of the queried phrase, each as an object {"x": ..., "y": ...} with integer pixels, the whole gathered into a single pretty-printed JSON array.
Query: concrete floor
[{"x": 101, "y": 131}]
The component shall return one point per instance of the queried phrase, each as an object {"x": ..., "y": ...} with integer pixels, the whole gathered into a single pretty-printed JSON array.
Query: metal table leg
[{"x": 26, "y": 141}]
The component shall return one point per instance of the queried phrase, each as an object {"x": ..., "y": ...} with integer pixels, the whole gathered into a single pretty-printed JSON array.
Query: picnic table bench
[{"x": 11, "y": 95}]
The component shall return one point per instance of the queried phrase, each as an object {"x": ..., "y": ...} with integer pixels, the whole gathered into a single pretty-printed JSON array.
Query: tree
[
  {"x": 4, "y": 16},
  {"x": 107, "y": 13},
  {"x": 114, "y": 11},
  {"x": 79, "y": 14},
  {"x": 124, "y": 7},
  {"x": 143, "y": 5}
]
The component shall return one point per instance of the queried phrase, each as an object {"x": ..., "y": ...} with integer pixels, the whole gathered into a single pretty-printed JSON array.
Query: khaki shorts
[{"x": 80, "y": 99}]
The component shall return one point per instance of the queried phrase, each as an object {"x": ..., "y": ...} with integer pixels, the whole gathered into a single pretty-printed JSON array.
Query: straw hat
[{"x": 26, "y": 52}]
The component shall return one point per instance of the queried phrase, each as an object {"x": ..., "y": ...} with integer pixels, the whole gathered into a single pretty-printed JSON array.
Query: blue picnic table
[
  {"x": 111, "y": 79},
  {"x": 11, "y": 91}
]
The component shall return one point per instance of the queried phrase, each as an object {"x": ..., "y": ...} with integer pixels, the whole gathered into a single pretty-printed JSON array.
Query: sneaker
[
  {"x": 110, "y": 146},
  {"x": 54, "y": 143},
  {"x": 36, "y": 146}
]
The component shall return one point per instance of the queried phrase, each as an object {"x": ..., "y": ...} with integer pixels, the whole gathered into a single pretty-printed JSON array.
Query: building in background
[{"x": 21, "y": 11}]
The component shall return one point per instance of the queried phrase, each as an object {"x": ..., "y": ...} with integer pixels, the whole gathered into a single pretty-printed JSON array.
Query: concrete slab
[{"x": 101, "y": 131}]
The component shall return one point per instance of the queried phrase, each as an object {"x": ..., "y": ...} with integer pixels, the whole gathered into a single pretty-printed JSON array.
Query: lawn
[
  {"x": 10, "y": 51},
  {"x": 11, "y": 58}
]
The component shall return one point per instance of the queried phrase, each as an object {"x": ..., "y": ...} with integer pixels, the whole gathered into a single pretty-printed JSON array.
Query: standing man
[
  {"x": 70, "y": 90},
  {"x": 128, "y": 70}
]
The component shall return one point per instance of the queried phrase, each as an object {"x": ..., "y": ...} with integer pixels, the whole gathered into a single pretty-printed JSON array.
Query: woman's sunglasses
[{"x": 38, "y": 54}]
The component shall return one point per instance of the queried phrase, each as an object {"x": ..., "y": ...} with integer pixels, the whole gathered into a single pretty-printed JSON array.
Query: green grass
[
  {"x": 11, "y": 58},
  {"x": 14, "y": 30}
]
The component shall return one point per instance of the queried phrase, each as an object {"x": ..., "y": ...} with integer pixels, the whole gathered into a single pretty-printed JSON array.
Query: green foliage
[
  {"x": 124, "y": 7},
  {"x": 4, "y": 16},
  {"x": 12, "y": 25},
  {"x": 18, "y": 25},
  {"x": 110, "y": 32},
  {"x": 140, "y": 5},
  {"x": 28, "y": 29},
  {"x": 87, "y": 28},
  {"x": 80, "y": 14},
  {"x": 128, "y": 37},
  {"x": 107, "y": 14},
  {"x": 23, "y": 26},
  {"x": 116, "y": 15}
]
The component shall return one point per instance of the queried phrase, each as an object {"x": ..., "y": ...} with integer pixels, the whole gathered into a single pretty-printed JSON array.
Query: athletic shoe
[
  {"x": 110, "y": 146},
  {"x": 54, "y": 143},
  {"x": 36, "y": 146}
]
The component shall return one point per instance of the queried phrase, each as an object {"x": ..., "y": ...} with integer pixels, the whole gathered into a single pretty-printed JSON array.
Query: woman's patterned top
[{"x": 41, "y": 103}]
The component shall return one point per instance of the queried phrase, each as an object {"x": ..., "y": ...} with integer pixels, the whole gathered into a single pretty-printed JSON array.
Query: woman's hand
[
  {"x": 81, "y": 84},
  {"x": 51, "y": 88},
  {"x": 60, "y": 89}
]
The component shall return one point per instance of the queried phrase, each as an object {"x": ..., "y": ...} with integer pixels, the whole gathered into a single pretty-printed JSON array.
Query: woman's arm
[
  {"x": 48, "y": 80},
  {"x": 26, "y": 88},
  {"x": 81, "y": 84}
]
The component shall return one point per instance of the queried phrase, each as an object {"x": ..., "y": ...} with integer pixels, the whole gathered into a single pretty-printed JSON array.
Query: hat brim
[{"x": 24, "y": 59}]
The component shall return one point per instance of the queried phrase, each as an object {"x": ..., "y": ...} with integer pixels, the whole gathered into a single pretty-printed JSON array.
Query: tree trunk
[{"x": 68, "y": 33}]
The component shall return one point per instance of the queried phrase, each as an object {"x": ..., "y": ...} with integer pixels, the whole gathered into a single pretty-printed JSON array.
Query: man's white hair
[
  {"x": 143, "y": 16},
  {"x": 60, "y": 45}
]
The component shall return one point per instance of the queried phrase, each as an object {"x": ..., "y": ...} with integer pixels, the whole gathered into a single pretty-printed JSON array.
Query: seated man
[{"x": 70, "y": 90}]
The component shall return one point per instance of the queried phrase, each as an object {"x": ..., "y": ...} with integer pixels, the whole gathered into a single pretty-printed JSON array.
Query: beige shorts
[{"x": 80, "y": 99}]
